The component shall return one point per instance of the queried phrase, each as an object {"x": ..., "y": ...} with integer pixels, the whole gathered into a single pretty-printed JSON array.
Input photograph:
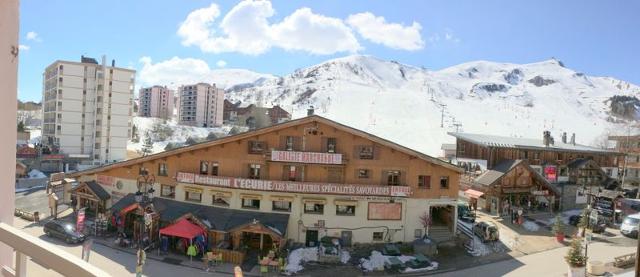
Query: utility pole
[
  {"x": 442, "y": 116},
  {"x": 457, "y": 124}
]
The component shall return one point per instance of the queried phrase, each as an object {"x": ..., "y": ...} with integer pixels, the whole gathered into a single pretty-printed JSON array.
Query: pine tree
[
  {"x": 558, "y": 226},
  {"x": 147, "y": 147},
  {"x": 575, "y": 256}
]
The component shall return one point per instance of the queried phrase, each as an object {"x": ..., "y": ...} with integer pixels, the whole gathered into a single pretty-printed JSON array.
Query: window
[
  {"x": 214, "y": 169},
  {"x": 291, "y": 171},
  {"x": 331, "y": 145},
  {"x": 345, "y": 210},
  {"x": 168, "y": 191},
  {"x": 536, "y": 155},
  {"x": 363, "y": 173},
  {"x": 162, "y": 169},
  {"x": 193, "y": 196},
  {"x": 417, "y": 233},
  {"x": 254, "y": 171},
  {"x": 250, "y": 203},
  {"x": 444, "y": 182},
  {"x": 59, "y": 128},
  {"x": 424, "y": 182},
  {"x": 281, "y": 206},
  {"x": 393, "y": 178},
  {"x": 313, "y": 208},
  {"x": 378, "y": 236},
  {"x": 257, "y": 147},
  {"x": 220, "y": 200},
  {"x": 366, "y": 152},
  {"x": 526, "y": 154},
  {"x": 204, "y": 167},
  {"x": 289, "y": 143},
  {"x": 564, "y": 171}
]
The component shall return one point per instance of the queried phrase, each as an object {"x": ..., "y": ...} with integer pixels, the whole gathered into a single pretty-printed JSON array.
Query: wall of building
[{"x": 233, "y": 159}]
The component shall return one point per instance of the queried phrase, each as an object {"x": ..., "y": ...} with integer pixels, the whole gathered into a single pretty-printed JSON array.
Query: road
[{"x": 548, "y": 263}]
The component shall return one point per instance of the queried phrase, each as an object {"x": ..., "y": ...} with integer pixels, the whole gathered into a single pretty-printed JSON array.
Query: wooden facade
[{"x": 554, "y": 156}]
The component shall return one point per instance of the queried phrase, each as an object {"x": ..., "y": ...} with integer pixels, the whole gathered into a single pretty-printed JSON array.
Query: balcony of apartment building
[{"x": 19, "y": 251}]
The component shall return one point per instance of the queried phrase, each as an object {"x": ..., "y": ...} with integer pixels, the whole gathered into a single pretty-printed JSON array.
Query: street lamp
[{"x": 144, "y": 196}]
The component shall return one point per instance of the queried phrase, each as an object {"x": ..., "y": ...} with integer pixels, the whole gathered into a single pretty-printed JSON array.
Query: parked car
[
  {"x": 629, "y": 227},
  {"x": 597, "y": 228},
  {"x": 63, "y": 230},
  {"x": 486, "y": 231},
  {"x": 574, "y": 220}
]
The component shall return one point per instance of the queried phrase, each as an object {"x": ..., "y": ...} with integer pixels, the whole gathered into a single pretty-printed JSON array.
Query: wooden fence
[{"x": 231, "y": 256}]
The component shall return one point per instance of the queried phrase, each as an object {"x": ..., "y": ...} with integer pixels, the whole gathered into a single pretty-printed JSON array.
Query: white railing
[{"x": 43, "y": 253}]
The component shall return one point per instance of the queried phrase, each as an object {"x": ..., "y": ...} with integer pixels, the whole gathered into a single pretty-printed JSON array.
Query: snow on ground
[
  {"x": 565, "y": 217},
  {"x": 345, "y": 257},
  {"x": 530, "y": 226},
  {"x": 34, "y": 174},
  {"x": 299, "y": 256},
  {"x": 180, "y": 132},
  {"x": 377, "y": 262}
]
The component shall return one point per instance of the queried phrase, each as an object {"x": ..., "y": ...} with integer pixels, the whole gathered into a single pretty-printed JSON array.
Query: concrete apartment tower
[
  {"x": 87, "y": 109},
  {"x": 156, "y": 101},
  {"x": 201, "y": 105}
]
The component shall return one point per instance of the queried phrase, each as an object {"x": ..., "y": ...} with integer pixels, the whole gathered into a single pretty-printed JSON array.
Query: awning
[
  {"x": 129, "y": 208},
  {"x": 220, "y": 193},
  {"x": 251, "y": 196},
  {"x": 473, "y": 193},
  {"x": 341, "y": 202},
  {"x": 183, "y": 228},
  {"x": 281, "y": 198},
  {"x": 192, "y": 189},
  {"x": 314, "y": 201}
]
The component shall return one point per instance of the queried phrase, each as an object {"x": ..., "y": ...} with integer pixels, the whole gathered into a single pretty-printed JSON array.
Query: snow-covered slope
[
  {"x": 406, "y": 104},
  {"x": 228, "y": 78}
]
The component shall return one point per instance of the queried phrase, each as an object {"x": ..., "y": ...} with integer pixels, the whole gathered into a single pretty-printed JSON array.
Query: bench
[{"x": 624, "y": 260}]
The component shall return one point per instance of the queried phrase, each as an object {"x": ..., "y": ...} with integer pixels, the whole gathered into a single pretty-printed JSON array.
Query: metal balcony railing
[{"x": 42, "y": 253}]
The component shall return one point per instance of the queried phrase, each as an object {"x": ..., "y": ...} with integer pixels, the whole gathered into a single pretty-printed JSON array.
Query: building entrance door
[
  {"x": 346, "y": 237},
  {"x": 311, "y": 238}
]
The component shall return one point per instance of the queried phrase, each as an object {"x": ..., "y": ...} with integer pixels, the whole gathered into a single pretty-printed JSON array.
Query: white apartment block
[
  {"x": 156, "y": 101},
  {"x": 201, "y": 105},
  {"x": 87, "y": 109}
]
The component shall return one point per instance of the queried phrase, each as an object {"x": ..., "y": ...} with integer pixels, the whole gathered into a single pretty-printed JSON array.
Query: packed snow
[
  {"x": 404, "y": 103},
  {"x": 530, "y": 226},
  {"x": 345, "y": 257},
  {"x": 36, "y": 174},
  {"x": 299, "y": 256},
  {"x": 377, "y": 261}
]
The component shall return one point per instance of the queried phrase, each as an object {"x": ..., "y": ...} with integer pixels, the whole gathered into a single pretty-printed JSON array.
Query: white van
[{"x": 629, "y": 225}]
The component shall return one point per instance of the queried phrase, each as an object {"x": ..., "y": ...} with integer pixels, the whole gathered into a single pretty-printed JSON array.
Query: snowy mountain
[
  {"x": 406, "y": 104},
  {"x": 229, "y": 78}
]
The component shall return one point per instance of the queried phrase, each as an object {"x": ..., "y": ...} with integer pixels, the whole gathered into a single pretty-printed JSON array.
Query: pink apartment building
[{"x": 156, "y": 101}]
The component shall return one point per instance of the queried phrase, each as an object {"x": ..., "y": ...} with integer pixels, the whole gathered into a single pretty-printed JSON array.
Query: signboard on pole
[{"x": 80, "y": 220}]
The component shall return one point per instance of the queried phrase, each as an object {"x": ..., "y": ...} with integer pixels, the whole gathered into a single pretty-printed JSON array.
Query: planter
[
  {"x": 560, "y": 237},
  {"x": 576, "y": 272}
]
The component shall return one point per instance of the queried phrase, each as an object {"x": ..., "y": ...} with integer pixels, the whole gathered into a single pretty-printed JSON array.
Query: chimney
[
  {"x": 551, "y": 140},
  {"x": 546, "y": 138},
  {"x": 310, "y": 111},
  {"x": 113, "y": 63},
  {"x": 564, "y": 137},
  {"x": 573, "y": 138}
]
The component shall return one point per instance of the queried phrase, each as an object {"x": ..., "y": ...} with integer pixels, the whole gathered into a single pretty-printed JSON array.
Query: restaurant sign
[
  {"x": 294, "y": 187},
  {"x": 306, "y": 157}
]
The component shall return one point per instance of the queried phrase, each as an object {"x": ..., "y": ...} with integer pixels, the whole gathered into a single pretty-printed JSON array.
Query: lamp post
[{"x": 144, "y": 196}]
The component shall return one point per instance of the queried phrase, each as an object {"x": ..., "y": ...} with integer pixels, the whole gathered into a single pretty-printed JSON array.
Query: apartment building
[
  {"x": 630, "y": 167},
  {"x": 201, "y": 105},
  {"x": 87, "y": 109},
  {"x": 306, "y": 179},
  {"x": 156, "y": 101}
]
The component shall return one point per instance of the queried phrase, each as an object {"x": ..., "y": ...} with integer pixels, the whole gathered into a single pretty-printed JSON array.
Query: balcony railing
[{"x": 42, "y": 253}]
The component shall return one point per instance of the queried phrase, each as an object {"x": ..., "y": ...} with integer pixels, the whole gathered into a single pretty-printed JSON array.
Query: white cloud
[
  {"x": 318, "y": 34},
  {"x": 173, "y": 72},
  {"x": 393, "y": 35},
  {"x": 245, "y": 29},
  {"x": 221, "y": 63},
  {"x": 33, "y": 36},
  {"x": 23, "y": 47}
]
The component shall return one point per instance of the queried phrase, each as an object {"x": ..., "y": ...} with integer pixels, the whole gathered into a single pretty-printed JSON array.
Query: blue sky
[{"x": 596, "y": 37}]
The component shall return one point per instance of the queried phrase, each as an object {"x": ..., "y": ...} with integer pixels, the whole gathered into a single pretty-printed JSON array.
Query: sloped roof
[
  {"x": 260, "y": 131},
  {"x": 525, "y": 143},
  {"x": 96, "y": 188},
  {"x": 490, "y": 176}
]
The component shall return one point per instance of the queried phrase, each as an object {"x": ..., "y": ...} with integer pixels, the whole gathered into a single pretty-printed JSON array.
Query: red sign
[
  {"x": 105, "y": 180},
  {"x": 306, "y": 157},
  {"x": 296, "y": 187},
  {"x": 550, "y": 172},
  {"x": 80, "y": 221},
  {"x": 26, "y": 152}
]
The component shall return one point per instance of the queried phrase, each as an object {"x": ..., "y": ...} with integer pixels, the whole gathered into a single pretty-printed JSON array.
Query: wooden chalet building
[
  {"x": 516, "y": 171},
  {"x": 300, "y": 180}
]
